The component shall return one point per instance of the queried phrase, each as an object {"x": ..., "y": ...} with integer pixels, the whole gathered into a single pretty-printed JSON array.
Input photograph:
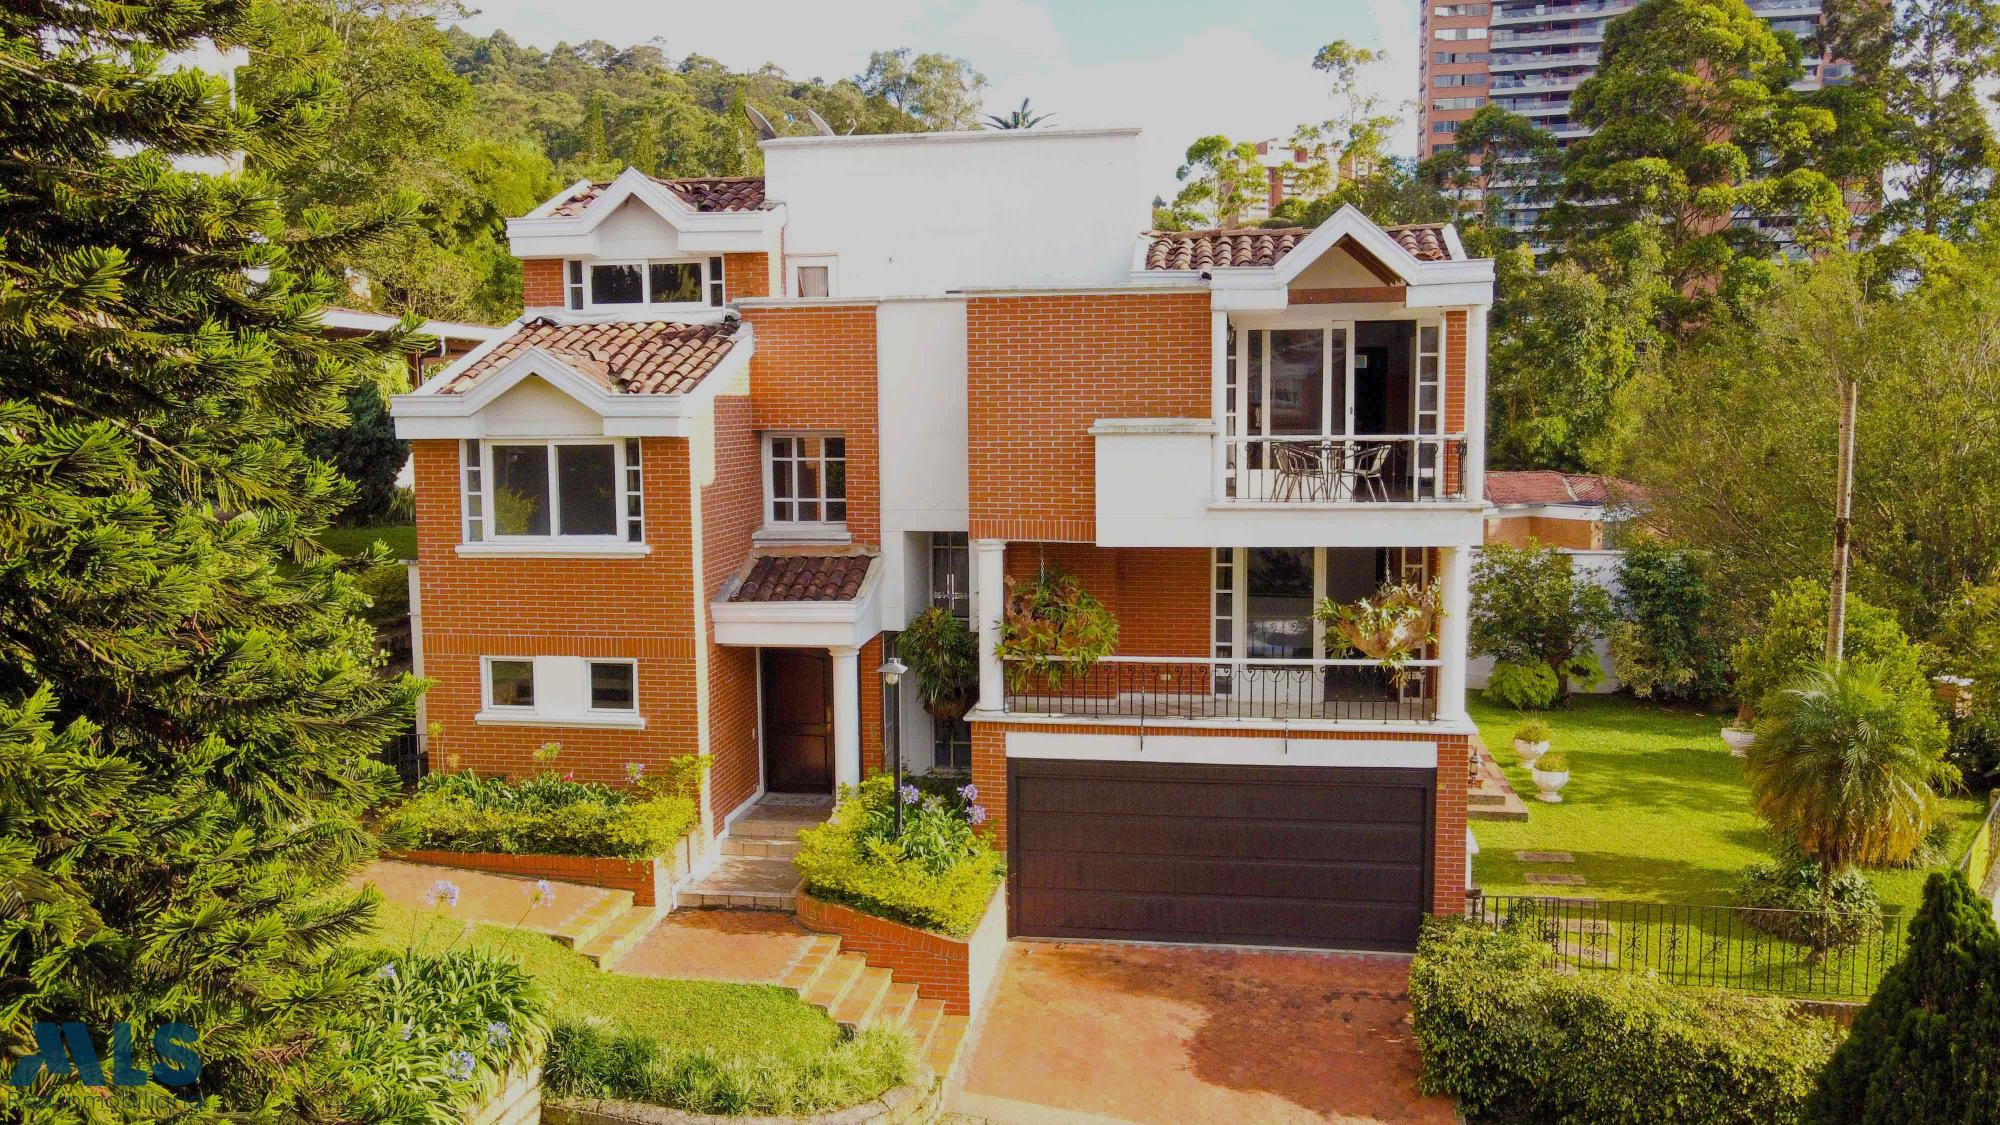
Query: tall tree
[
  {"x": 941, "y": 91},
  {"x": 1922, "y": 1050},
  {"x": 1923, "y": 76},
  {"x": 185, "y": 721},
  {"x": 1497, "y": 158},
  {"x": 1219, "y": 179},
  {"x": 1695, "y": 121},
  {"x": 1351, "y": 140}
]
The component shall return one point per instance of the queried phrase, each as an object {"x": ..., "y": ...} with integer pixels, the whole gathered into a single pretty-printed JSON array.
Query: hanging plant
[
  {"x": 1394, "y": 626},
  {"x": 944, "y": 656},
  {"x": 1054, "y": 632}
]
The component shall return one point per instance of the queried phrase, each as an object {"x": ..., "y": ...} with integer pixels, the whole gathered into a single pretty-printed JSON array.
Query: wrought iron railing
[
  {"x": 409, "y": 755},
  {"x": 1147, "y": 687},
  {"x": 1346, "y": 468},
  {"x": 1710, "y": 946},
  {"x": 1977, "y": 862}
]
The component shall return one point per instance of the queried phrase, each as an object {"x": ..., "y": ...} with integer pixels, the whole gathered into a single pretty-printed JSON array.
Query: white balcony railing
[
  {"x": 1345, "y": 468},
  {"x": 1167, "y": 687}
]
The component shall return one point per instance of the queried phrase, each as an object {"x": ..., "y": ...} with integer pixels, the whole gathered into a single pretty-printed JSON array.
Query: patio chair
[
  {"x": 1300, "y": 474},
  {"x": 1369, "y": 472}
]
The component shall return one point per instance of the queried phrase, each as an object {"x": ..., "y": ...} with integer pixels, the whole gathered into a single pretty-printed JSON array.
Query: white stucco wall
[
  {"x": 1602, "y": 568},
  {"x": 923, "y": 213}
]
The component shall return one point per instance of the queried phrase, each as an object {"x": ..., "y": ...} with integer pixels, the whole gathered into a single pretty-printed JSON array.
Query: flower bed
[
  {"x": 939, "y": 874},
  {"x": 956, "y": 972}
]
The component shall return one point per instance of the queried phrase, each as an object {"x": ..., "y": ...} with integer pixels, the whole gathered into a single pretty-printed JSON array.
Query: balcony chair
[
  {"x": 1300, "y": 471},
  {"x": 1369, "y": 471}
]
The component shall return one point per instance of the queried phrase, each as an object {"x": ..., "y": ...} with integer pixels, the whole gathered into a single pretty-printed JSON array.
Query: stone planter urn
[
  {"x": 1530, "y": 752},
  {"x": 1550, "y": 783},
  {"x": 1738, "y": 739}
]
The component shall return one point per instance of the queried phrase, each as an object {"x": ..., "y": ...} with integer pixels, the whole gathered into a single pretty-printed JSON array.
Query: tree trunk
[{"x": 1843, "y": 518}]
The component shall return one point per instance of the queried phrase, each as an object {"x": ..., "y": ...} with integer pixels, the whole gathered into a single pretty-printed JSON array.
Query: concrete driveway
[{"x": 1082, "y": 1032}]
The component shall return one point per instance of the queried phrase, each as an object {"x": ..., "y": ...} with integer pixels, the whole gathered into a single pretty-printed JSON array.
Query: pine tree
[
  {"x": 185, "y": 725},
  {"x": 1924, "y": 1047}
]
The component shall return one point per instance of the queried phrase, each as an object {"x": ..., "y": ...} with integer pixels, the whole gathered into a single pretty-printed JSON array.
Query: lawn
[
  {"x": 763, "y": 1031},
  {"x": 400, "y": 538},
  {"x": 1656, "y": 811}
]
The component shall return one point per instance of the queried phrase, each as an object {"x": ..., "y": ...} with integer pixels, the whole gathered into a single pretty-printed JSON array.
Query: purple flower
[
  {"x": 387, "y": 972},
  {"x": 497, "y": 1032},
  {"x": 445, "y": 891},
  {"x": 544, "y": 894},
  {"x": 460, "y": 1066},
  {"x": 408, "y": 1030},
  {"x": 912, "y": 794},
  {"x": 635, "y": 771},
  {"x": 976, "y": 814},
  {"x": 968, "y": 792}
]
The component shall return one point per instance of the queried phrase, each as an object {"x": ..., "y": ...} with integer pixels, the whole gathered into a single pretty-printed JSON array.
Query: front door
[{"x": 798, "y": 720}]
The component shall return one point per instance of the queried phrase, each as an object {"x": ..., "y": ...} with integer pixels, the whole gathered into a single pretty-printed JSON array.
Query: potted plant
[
  {"x": 1738, "y": 736},
  {"x": 1393, "y": 626},
  {"x": 1053, "y": 632},
  {"x": 1551, "y": 773},
  {"x": 944, "y": 657},
  {"x": 1531, "y": 740}
]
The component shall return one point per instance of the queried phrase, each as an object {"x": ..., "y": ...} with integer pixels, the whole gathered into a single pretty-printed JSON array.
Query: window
[
  {"x": 1460, "y": 57},
  {"x": 1446, "y": 80},
  {"x": 812, "y": 274},
  {"x": 510, "y": 682},
  {"x": 678, "y": 282},
  {"x": 951, "y": 744},
  {"x": 1451, "y": 34},
  {"x": 584, "y": 489},
  {"x": 807, "y": 482},
  {"x": 614, "y": 685},
  {"x": 1459, "y": 10},
  {"x": 951, "y": 569},
  {"x": 1444, "y": 126},
  {"x": 813, "y": 281},
  {"x": 1458, "y": 103}
]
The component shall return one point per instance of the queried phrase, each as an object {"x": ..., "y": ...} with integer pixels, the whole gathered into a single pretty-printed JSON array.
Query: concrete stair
[
  {"x": 858, "y": 995},
  {"x": 1490, "y": 797},
  {"x": 745, "y": 882},
  {"x": 609, "y": 945}
]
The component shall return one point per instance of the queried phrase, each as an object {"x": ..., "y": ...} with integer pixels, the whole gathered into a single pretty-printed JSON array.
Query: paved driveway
[{"x": 1084, "y": 1032}]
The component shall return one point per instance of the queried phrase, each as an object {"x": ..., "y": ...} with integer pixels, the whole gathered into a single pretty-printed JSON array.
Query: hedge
[
  {"x": 1516, "y": 1040},
  {"x": 939, "y": 877},
  {"x": 545, "y": 815}
]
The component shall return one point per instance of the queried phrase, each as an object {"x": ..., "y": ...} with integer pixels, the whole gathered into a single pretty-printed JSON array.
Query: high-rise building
[{"x": 1529, "y": 56}]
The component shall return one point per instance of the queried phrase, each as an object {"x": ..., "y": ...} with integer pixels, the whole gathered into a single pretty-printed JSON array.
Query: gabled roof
[
  {"x": 636, "y": 357},
  {"x": 803, "y": 578},
  {"x": 1264, "y": 246},
  {"x": 706, "y": 194},
  {"x": 1546, "y": 486}
]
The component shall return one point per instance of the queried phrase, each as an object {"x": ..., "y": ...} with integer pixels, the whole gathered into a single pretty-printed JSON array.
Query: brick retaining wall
[
  {"x": 958, "y": 972},
  {"x": 651, "y": 881}
]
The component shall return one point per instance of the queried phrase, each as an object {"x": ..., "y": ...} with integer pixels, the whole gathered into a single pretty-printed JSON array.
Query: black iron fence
[
  {"x": 407, "y": 753},
  {"x": 1711, "y": 946},
  {"x": 1147, "y": 687}
]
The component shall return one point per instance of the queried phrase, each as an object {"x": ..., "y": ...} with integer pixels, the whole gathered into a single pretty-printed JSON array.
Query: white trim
[
  {"x": 489, "y": 509},
  {"x": 830, "y": 261},
  {"x": 356, "y": 320},
  {"x": 596, "y": 712},
  {"x": 1432, "y": 729},
  {"x": 510, "y": 717},
  {"x": 486, "y": 704},
  {"x": 832, "y": 624},
  {"x": 646, "y": 306},
  {"x": 539, "y": 549},
  {"x": 773, "y": 529},
  {"x": 1248, "y": 750},
  {"x": 815, "y": 534},
  {"x": 966, "y": 136}
]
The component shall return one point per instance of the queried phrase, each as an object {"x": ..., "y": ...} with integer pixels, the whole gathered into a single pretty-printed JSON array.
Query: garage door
[{"x": 1256, "y": 855}]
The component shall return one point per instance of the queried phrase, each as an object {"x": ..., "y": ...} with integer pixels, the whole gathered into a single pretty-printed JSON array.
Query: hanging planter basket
[
  {"x": 1054, "y": 632},
  {"x": 943, "y": 655},
  {"x": 1393, "y": 626}
]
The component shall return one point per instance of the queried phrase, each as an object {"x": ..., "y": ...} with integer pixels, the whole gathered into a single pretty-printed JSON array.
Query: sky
[{"x": 1178, "y": 69}]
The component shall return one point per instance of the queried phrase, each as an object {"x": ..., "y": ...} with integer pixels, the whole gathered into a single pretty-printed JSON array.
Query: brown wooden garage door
[{"x": 1256, "y": 855}]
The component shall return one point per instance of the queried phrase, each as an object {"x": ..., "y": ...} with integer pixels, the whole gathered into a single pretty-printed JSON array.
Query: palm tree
[
  {"x": 1022, "y": 118},
  {"x": 1847, "y": 766}
]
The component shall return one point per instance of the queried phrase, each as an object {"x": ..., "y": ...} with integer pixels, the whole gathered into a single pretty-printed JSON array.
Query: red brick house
[{"x": 747, "y": 428}]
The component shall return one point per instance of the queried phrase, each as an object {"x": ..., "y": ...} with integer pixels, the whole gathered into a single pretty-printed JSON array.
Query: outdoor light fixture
[{"x": 891, "y": 672}]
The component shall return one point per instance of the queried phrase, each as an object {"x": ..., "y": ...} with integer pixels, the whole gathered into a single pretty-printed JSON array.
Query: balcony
[
  {"x": 1148, "y": 687},
  {"x": 1505, "y": 61},
  {"x": 1345, "y": 469}
]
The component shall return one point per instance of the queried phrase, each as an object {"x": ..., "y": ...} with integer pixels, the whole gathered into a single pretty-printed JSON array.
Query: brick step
[
  {"x": 899, "y": 1007},
  {"x": 593, "y": 920},
  {"x": 611, "y": 945},
  {"x": 864, "y": 998},
  {"x": 833, "y": 983},
  {"x": 746, "y": 882},
  {"x": 946, "y": 1039},
  {"x": 760, "y": 847}
]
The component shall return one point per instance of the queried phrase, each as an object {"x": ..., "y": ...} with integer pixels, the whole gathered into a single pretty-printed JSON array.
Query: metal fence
[
  {"x": 407, "y": 753},
  {"x": 1709, "y": 946},
  {"x": 1168, "y": 688},
  {"x": 1977, "y": 862}
]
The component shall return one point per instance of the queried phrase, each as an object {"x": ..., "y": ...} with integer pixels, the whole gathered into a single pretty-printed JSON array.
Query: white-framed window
[
  {"x": 559, "y": 691},
  {"x": 805, "y": 481},
  {"x": 560, "y": 490},
  {"x": 642, "y": 283},
  {"x": 813, "y": 275}
]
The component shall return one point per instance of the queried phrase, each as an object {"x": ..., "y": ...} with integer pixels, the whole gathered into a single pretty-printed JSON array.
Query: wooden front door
[{"x": 798, "y": 720}]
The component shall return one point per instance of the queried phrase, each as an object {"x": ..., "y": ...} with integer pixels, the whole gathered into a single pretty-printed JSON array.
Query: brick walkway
[{"x": 498, "y": 900}]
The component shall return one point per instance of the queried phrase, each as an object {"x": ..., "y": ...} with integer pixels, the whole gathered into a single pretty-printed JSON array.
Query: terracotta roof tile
[
  {"x": 639, "y": 357},
  {"x": 705, "y": 193},
  {"x": 1546, "y": 486},
  {"x": 1263, "y": 246},
  {"x": 803, "y": 578}
]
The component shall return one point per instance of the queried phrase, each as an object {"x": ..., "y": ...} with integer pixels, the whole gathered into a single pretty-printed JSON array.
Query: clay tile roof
[
  {"x": 1424, "y": 241},
  {"x": 642, "y": 357},
  {"x": 803, "y": 578},
  {"x": 1546, "y": 486},
  {"x": 704, "y": 193},
  {"x": 1215, "y": 249}
]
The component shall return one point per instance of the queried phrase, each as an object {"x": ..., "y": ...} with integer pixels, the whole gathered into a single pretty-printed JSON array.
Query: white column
[
  {"x": 1475, "y": 402},
  {"x": 989, "y": 588},
  {"x": 1218, "y": 403},
  {"x": 846, "y": 715},
  {"x": 1454, "y": 631}
]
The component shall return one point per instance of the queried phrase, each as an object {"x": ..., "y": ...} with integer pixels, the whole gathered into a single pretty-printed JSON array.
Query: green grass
[
  {"x": 401, "y": 539},
  {"x": 1656, "y": 811},
  {"x": 784, "y": 1053}
]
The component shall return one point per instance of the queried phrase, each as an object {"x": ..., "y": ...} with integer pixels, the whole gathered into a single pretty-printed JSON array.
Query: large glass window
[
  {"x": 554, "y": 489},
  {"x": 674, "y": 283},
  {"x": 521, "y": 490},
  {"x": 693, "y": 281},
  {"x": 1279, "y": 603},
  {"x": 808, "y": 478},
  {"x": 617, "y": 285}
]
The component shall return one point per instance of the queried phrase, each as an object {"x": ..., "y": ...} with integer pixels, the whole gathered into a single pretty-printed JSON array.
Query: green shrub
[
  {"x": 1669, "y": 644},
  {"x": 939, "y": 875},
  {"x": 943, "y": 655},
  {"x": 388, "y": 590},
  {"x": 594, "y": 1060},
  {"x": 545, "y": 815},
  {"x": 1524, "y": 687},
  {"x": 1534, "y": 730},
  {"x": 1793, "y": 640},
  {"x": 1053, "y": 632},
  {"x": 431, "y": 1034},
  {"x": 1555, "y": 761},
  {"x": 1783, "y": 898},
  {"x": 1530, "y": 606},
  {"x": 1517, "y": 1041}
]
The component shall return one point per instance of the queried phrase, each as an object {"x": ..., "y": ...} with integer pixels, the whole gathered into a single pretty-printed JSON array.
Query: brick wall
[
  {"x": 542, "y": 282},
  {"x": 1041, "y": 370},
  {"x": 956, "y": 972},
  {"x": 731, "y": 507},
  {"x": 746, "y": 275},
  {"x": 1448, "y": 870},
  {"x": 814, "y": 369},
  {"x": 1160, "y": 595}
]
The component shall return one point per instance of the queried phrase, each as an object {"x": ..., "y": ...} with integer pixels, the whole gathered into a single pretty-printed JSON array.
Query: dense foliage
[
  {"x": 1530, "y": 606},
  {"x": 942, "y": 652},
  {"x": 593, "y": 1060},
  {"x": 1524, "y": 687},
  {"x": 1053, "y": 631},
  {"x": 1792, "y": 640},
  {"x": 1796, "y": 899},
  {"x": 1669, "y": 644},
  {"x": 938, "y": 875},
  {"x": 1515, "y": 1040},
  {"x": 187, "y": 718},
  {"x": 1922, "y": 1050},
  {"x": 545, "y": 815}
]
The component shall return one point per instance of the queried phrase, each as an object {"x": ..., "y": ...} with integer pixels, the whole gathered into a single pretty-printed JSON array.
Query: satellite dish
[
  {"x": 819, "y": 123},
  {"x": 765, "y": 130}
]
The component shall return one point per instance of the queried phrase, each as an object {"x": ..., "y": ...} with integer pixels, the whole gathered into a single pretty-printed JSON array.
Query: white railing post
[
  {"x": 1455, "y": 575},
  {"x": 989, "y": 560},
  {"x": 1218, "y": 404}
]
